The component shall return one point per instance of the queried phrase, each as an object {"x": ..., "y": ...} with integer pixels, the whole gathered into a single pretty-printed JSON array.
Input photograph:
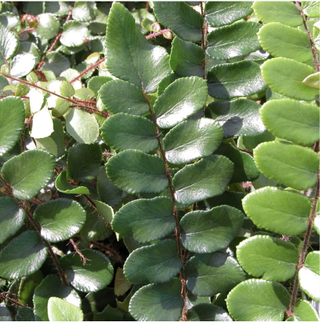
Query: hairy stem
[
  {"x": 181, "y": 250},
  {"x": 95, "y": 65},
  {"x": 204, "y": 38},
  {"x": 155, "y": 34}
]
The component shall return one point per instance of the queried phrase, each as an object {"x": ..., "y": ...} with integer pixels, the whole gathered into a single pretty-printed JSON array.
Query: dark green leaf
[
  {"x": 286, "y": 76},
  {"x": 292, "y": 120},
  {"x": 285, "y": 207},
  {"x": 158, "y": 302},
  {"x": 206, "y": 231},
  {"x": 234, "y": 80},
  {"x": 135, "y": 172},
  {"x": 61, "y": 310},
  {"x": 258, "y": 300},
  {"x": 96, "y": 82},
  {"x": 25, "y": 314},
  {"x": 223, "y": 13},
  {"x": 22, "y": 256},
  {"x": 12, "y": 116},
  {"x": 291, "y": 165},
  {"x": 129, "y": 55},
  {"x": 153, "y": 264},
  {"x": 210, "y": 274},
  {"x": 125, "y": 131},
  {"x": 231, "y": 198},
  {"x": 27, "y": 287},
  {"x": 182, "y": 98},
  {"x": 238, "y": 39},
  {"x": 56, "y": 62},
  {"x": 208, "y": 312},
  {"x": 94, "y": 276},
  {"x": 145, "y": 219},
  {"x": 8, "y": 44},
  {"x": 63, "y": 185},
  {"x": 180, "y": 18},
  {"x": 191, "y": 140},
  {"x": 204, "y": 179},
  {"x": 28, "y": 172},
  {"x": 4, "y": 313},
  {"x": 259, "y": 255}
]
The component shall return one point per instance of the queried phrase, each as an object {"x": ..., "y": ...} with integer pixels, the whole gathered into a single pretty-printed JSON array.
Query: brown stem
[
  {"x": 204, "y": 38},
  {"x": 108, "y": 250},
  {"x": 75, "y": 246},
  {"x": 26, "y": 30},
  {"x": 87, "y": 70},
  {"x": 155, "y": 34},
  {"x": 181, "y": 250}
]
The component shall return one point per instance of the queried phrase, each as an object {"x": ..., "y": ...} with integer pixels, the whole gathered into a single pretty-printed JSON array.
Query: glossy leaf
[
  {"x": 83, "y": 11},
  {"x": 48, "y": 26},
  {"x": 82, "y": 126},
  {"x": 11, "y": 218},
  {"x": 63, "y": 185},
  {"x": 304, "y": 311},
  {"x": 135, "y": 172},
  {"x": 259, "y": 255},
  {"x": 206, "y": 231},
  {"x": 283, "y": 119},
  {"x": 191, "y": 140},
  {"x": 42, "y": 124},
  {"x": 309, "y": 275},
  {"x": 286, "y": 76},
  {"x": 238, "y": 39},
  {"x": 28, "y": 172},
  {"x": 280, "y": 11},
  {"x": 157, "y": 263},
  {"x": 291, "y": 165},
  {"x": 74, "y": 34},
  {"x": 157, "y": 302},
  {"x": 284, "y": 41},
  {"x": 12, "y": 116},
  {"x": 210, "y": 274},
  {"x": 61, "y": 310},
  {"x": 96, "y": 275},
  {"x": 23, "y": 256},
  {"x": 193, "y": 184},
  {"x": 186, "y": 58},
  {"x": 129, "y": 56},
  {"x": 8, "y": 44},
  {"x": 125, "y": 131},
  {"x": 274, "y": 216},
  {"x": 235, "y": 80},
  {"x": 237, "y": 117},
  {"x": 182, "y": 98},
  {"x": 224, "y": 13},
  {"x": 22, "y": 64},
  {"x": 247, "y": 301},
  {"x": 59, "y": 219},
  {"x": 313, "y": 80},
  {"x": 145, "y": 219},
  {"x": 56, "y": 62},
  {"x": 123, "y": 97},
  {"x": 51, "y": 287},
  {"x": 84, "y": 161},
  {"x": 96, "y": 82}
]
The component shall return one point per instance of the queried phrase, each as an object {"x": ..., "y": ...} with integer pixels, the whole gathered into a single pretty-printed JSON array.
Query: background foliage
[{"x": 159, "y": 161}]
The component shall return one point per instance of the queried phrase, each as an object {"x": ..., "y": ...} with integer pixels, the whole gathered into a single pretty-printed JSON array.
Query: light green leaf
[
  {"x": 96, "y": 82},
  {"x": 258, "y": 300},
  {"x": 286, "y": 76},
  {"x": 224, "y": 13},
  {"x": 36, "y": 99},
  {"x": 12, "y": 116},
  {"x": 125, "y": 131},
  {"x": 274, "y": 216},
  {"x": 22, "y": 64},
  {"x": 8, "y": 44},
  {"x": 157, "y": 263},
  {"x": 61, "y": 310},
  {"x": 304, "y": 311},
  {"x": 191, "y": 140},
  {"x": 23, "y": 256},
  {"x": 284, "y": 41},
  {"x": 204, "y": 179},
  {"x": 51, "y": 287},
  {"x": 313, "y": 80},
  {"x": 291, "y": 165},
  {"x": 60, "y": 219},
  {"x": 182, "y": 98},
  {"x": 210, "y": 274},
  {"x": 42, "y": 124},
  {"x": 186, "y": 58},
  {"x": 104, "y": 210},
  {"x": 235, "y": 80},
  {"x": 238, "y": 39},
  {"x": 157, "y": 302},
  {"x": 11, "y": 218},
  {"x": 278, "y": 11},
  {"x": 48, "y": 26},
  {"x": 180, "y": 18},
  {"x": 259, "y": 255},
  {"x": 208, "y": 312},
  {"x": 129, "y": 55},
  {"x": 27, "y": 287},
  {"x": 311, "y": 8},
  {"x": 206, "y": 231},
  {"x": 63, "y": 185},
  {"x": 84, "y": 11},
  {"x": 145, "y": 219},
  {"x": 74, "y": 34},
  {"x": 292, "y": 120},
  {"x": 94, "y": 276},
  {"x": 135, "y": 172},
  {"x": 28, "y": 172},
  {"x": 82, "y": 126},
  {"x": 309, "y": 275}
]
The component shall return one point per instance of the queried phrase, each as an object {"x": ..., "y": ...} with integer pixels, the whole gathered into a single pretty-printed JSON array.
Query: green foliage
[{"x": 159, "y": 161}]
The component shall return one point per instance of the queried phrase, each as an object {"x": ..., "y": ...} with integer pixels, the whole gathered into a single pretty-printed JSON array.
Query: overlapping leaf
[
  {"x": 63, "y": 185},
  {"x": 61, "y": 310},
  {"x": 8, "y": 44}
]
